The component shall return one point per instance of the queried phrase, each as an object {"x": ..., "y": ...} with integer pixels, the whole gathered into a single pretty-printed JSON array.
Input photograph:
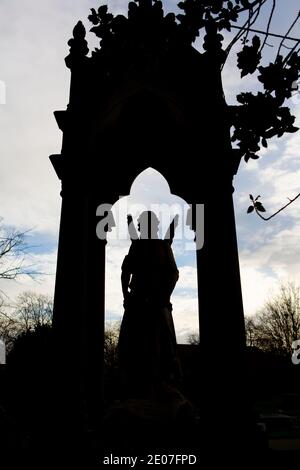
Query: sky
[{"x": 34, "y": 82}]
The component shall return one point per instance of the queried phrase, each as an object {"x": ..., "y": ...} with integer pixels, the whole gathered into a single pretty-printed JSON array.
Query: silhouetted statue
[{"x": 147, "y": 343}]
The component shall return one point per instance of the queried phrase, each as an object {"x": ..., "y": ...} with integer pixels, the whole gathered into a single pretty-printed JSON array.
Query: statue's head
[{"x": 148, "y": 225}]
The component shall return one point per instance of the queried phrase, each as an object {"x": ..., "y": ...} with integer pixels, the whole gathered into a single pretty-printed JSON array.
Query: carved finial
[
  {"x": 79, "y": 31},
  {"x": 213, "y": 41},
  {"x": 78, "y": 45}
]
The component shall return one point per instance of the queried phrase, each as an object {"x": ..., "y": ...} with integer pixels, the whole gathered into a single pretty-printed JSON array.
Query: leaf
[
  {"x": 102, "y": 10},
  {"x": 270, "y": 133},
  {"x": 249, "y": 57},
  {"x": 259, "y": 207},
  {"x": 257, "y": 198},
  {"x": 93, "y": 18},
  {"x": 264, "y": 142},
  {"x": 98, "y": 30},
  {"x": 251, "y": 197},
  {"x": 256, "y": 42},
  {"x": 250, "y": 209}
]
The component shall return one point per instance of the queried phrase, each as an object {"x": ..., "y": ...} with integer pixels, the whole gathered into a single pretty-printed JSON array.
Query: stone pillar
[
  {"x": 222, "y": 331},
  {"x": 79, "y": 311},
  {"x": 94, "y": 319}
]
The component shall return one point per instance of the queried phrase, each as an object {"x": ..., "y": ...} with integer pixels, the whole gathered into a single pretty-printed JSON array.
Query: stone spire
[{"x": 78, "y": 45}]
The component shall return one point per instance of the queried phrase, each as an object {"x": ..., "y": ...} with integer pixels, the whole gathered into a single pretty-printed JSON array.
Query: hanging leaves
[
  {"x": 258, "y": 119},
  {"x": 256, "y": 205},
  {"x": 259, "y": 207},
  {"x": 278, "y": 77},
  {"x": 249, "y": 57}
]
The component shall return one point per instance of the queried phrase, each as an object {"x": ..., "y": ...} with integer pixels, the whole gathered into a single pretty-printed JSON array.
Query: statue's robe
[{"x": 147, "y": 343}]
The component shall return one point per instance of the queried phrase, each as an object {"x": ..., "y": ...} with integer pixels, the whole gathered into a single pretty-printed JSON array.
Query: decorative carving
[
  {"x": 147, "y": 31},
  {"x": 78, "y": 45},
  {"x": 146, "y": 23},
  {"x": 145, "y": 27}
]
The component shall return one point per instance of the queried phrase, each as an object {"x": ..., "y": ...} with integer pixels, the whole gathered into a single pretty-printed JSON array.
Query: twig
[
  {"x": 250, "y": 7},
  {"x": 274, "y": 35},
  {"x": 246, "y": 28},
  {"x": 293, "y": 49},
  {"x": 269, "y": 24},
  {"x": 288, "y": 32},
  {"x": 287, "y": 47},
  {"x": 282, "y": 208}
]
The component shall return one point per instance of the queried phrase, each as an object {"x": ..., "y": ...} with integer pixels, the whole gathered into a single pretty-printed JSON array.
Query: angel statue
[{"x": 147, "y": 341}]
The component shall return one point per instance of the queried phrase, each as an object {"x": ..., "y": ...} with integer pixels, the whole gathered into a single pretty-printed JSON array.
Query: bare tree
[
  {"x": 30, "y": 312},
  {"x": 111, "y": 338},
  {"x": 33, "y": 310},
  {"x": 277, "y": 325},
  {"x": 251, "y": 333},
  {"x": 9, "y": 326},
  {"x": 193, "y": 339},
  {"x": 13, "y": 250}
]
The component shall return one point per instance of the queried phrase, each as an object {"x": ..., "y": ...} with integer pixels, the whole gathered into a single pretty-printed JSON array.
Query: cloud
[
  {"x": 185, "y": 315},
  {"x": 269, "y": 251},
  {"x": 33, "y": 44},
  {"x": 114, "y": 298},
  {"x": 276, "y": 260},
  {"x": 188, "y": 278},
  {"x": 43, "y": 263}
]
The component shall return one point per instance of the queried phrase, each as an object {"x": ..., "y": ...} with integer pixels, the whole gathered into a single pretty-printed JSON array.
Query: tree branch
[
  {"x": 280, "y": 210},
  {"x": 288, "y": 32},
  {"x": 246, "y": 27},
  {"x": 259, "y": 31},
  {"x": 269, "y": 24}
]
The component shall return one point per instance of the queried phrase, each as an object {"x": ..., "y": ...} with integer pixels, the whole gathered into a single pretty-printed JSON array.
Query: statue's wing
[{"x": 131, "y": 228}]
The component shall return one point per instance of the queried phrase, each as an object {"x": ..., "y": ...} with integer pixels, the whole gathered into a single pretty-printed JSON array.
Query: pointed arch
[{"x": 150, "y": 190}]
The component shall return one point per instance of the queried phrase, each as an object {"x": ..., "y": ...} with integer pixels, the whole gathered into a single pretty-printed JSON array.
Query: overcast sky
[{"x": 33, "y": 44}]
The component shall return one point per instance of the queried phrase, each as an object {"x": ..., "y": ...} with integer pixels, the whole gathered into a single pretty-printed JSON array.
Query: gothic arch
[{"x": 185, "y": 312}]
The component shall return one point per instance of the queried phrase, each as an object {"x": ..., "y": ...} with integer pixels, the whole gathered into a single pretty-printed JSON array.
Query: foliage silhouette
[
  {"x": 261, "y": 116},
  {"x": 277, "y": 325}
]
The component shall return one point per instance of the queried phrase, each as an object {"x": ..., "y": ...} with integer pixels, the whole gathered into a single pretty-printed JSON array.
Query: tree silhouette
[
  {"x": 111, "y": 337},
  {"x": 277, "y": 325},
  {"x": 13, "y": 249},
  {"x": 33, "y": 310},
  {"x": 30, "y": 312},
  {"x": 259, "y": 116}
]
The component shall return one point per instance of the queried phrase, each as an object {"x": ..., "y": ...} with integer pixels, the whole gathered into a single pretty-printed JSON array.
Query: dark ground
[{"x": 28, "y": 428}]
